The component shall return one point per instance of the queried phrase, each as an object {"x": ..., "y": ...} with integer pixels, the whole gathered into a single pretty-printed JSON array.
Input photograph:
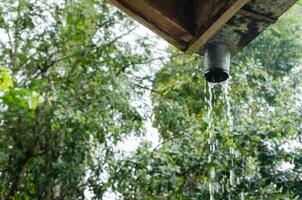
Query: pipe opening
[
  {"x": 216, "y": 75},
  {"x": 217, "y": 62}
]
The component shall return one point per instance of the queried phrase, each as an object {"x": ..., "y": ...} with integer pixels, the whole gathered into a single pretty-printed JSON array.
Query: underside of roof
[{"x": 190, "y": 24}]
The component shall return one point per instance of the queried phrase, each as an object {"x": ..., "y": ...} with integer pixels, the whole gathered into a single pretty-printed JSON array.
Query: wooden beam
[
  {"x": 257, "y": 16},
  {"x": 177, "y": 11},
  {"x": 190, "y": 24},
  {"x": 167, "y": 18},
  {"x": 206, "y": 33}
]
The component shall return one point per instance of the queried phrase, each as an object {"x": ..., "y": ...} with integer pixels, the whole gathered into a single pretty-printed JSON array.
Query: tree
[
  {"x": 66, "y": 81},
  {"x": 65, "y": 96},
  {"x": 200, "y": 157}
]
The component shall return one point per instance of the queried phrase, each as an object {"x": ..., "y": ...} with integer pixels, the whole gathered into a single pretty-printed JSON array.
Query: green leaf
[
  {"x": 6, "y": 81},
  {"x": 33, "y": 101}
]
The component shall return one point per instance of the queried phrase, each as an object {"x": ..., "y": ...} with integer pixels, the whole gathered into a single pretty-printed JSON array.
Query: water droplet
[
  {"x": 242, "y": 195},
  {"x": 232, "y": 177},
  {"x": 213, "y": 173}
]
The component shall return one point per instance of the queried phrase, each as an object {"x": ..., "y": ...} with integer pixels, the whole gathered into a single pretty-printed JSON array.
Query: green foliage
[
  {"x": 5, "y": 80},
  {"x": 65, "y": 96},
  {"x": 248, "y": 160},
  {"x": 66, "y": 84}
]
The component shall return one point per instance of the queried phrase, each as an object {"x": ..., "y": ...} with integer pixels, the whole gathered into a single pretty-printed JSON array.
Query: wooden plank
[
  {"x": 257, "y": 16},
  {"x": 240, "y": 31},
  {"x": 206, "y": 33},
  {"x": 250, "y": 21},
  {"x": 190, "y": 24},
  {"x": 269, "y": 8},
  {"x": 207, "y": 12},
  {"x": 158, "y": 19},
  {"x": 178, "y": 11}
]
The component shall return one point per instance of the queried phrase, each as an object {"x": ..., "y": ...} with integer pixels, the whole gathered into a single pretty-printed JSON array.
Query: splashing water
[
  {"x": 232, "y": 177},
  {"x": 226, "y": 99},
  {"x": 211, "y": 185},
  {"x": 212, "y": 144},
  {"x": 232, "y": 180},
  {"x": 211, "y": 87},
  {"x": 242, "y": 195}
]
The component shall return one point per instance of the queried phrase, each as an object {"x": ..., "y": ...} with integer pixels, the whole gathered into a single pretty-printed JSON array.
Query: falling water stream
[{"x": 226, "y": 183}]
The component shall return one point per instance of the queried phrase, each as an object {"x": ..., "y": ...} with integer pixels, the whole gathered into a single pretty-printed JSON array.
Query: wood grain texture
[
  {"x": 206, "y": 12},
  {"x": 167, "y": 18},
  {"x": 222, "y": 14},
  {"x": 178, "y": 11},
  {"x": 254, "y": 18},
  {"x": 269, "y": 8},
  {"x": 190, "y": 24}
]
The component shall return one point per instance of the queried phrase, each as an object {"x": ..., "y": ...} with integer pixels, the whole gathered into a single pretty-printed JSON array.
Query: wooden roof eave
[{"x": 190, "y": 24}]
